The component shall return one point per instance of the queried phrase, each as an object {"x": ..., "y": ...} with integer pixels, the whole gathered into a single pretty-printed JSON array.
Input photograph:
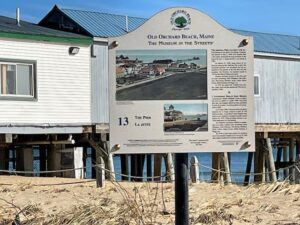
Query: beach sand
[{"x": 53, "y": 201}]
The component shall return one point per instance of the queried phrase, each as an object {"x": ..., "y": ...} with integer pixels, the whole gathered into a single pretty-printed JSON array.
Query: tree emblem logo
[{"x": 180, "y": 19}]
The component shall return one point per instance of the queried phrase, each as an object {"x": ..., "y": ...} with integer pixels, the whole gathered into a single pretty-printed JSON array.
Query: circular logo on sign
[{"x": 180, "y": 19}]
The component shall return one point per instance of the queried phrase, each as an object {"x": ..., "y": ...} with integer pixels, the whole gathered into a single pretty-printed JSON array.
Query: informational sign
[{"x": 181, "y": 82}]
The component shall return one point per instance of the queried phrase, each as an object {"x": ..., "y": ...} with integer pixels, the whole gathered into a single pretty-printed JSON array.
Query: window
[
  {"x": 17, "y": 80},
  {"x": 256, "y": 85}
]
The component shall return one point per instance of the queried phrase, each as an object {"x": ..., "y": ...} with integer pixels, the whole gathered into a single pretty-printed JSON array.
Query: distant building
[
  {"x": 183, "y": 65},
  {"x": 172, "y": 115}
]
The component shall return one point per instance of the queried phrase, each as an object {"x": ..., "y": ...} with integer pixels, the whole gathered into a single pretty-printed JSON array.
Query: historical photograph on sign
[
  {"x": 185, "y": 117},
  {"x": 161, "y": 74}
]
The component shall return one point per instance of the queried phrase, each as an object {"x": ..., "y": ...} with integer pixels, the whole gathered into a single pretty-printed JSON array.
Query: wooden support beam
[
  {"x": 149, "y": 167},
  {"x": 54, "y": 160},
  {"x": 2, "y": 159},
  {"x": 271, "y": 160},
  {"x": 297, "y": 169},
  {"x": 100, "y": 172},
  {"x": 19, "y": 159},
  {"x": 291, "y": 159},
  {"x": 133, "y": 166},
  {"x": 170, "y": 167},
  {"x": 43, "y": 159},
  {"x": 215, "y": 175},
  {"x": 259, "y": 162},
  {"x": 140, "y": 166},
  {"x": 278, "y": 159},
  {"x": 277, "y": 127},
  {"x": 124, "y": 167},
  {"x": 226, "y": 167},
  {"x": 248, "y": 168},
  {"x": 194, "y": 170},
  {"x": 285, "y": 159},
  {"x": 157, "y": 166}
]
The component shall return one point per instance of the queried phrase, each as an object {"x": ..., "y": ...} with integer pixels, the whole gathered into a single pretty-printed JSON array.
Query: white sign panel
[{"x": 181, "y": 83}]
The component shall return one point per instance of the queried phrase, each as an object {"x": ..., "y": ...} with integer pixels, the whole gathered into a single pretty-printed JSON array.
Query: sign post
[
  {"x": 181, "y": 83},
  {"x": 181, "y": 189}
]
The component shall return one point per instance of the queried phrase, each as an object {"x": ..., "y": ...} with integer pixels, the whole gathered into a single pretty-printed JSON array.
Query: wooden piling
[
  {"x": 226, "y": 167},
  {"x": 215, "y": 175},
  {"x": 297, "y": 166},
  {"x": 124, "y": 167},
  {"x": 221, "y": 168},
  {"x": 291, "y": 159},
  {"x": 110, "y": 162},
  {"x": 271, "y": 163},
  {"x": 2, "y": 159},
  {"x": 285, "y": 160},
  {"x": 133, "y": 166},
  {"x": 157, "y": 166},
  {"x": 194, "y": 170},
  {"x": 43, "y": 159},
  {"x": 100, "y": 173},
  {"x": 278, "y": 158},
  {"x": 140, "y": 166},
  {"x": 259, "y": 162},
  {"x": 248, "y": 168},
  {"x": 149, "y": 167},
  {"x": 170, "y": 167}
]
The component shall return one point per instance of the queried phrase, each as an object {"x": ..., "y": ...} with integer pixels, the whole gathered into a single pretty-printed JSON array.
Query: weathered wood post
[
  {"x": 170, "y": 167},
  {"x": 278, "y": 158},
  {"x": 297, "y": 166},
  {"x": 149, "y": 167},
  {"x": 271, "y": 163},
  {"x": 157, "y": 167},
  {"x": 291, "y": 159},
  {"x": 133, "y": 165},
  {"x": 140, "y": 166},
  {"x": 226, "y": 167},
  {"x": 259, "y": 162},
  {"x": 248, "y": 168},
  {"x": 2, "y": 159},
  {"x": 100, "y": 173},
  {"x": 285, "y": 160},
  {"x": 124, "y": 166},
  {"x": 110, "y": 162},
  {"x": 194, "y": 170},
  {"x": 215, "y": 175}
]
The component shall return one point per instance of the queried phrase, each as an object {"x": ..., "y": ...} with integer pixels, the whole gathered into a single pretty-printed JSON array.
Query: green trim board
[{"x": 47, "y": 38}]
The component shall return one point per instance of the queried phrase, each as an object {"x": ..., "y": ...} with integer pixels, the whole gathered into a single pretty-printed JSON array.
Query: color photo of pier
[
  {"x": 161, "y": 75},
  {"x": 185, "y": 117}
]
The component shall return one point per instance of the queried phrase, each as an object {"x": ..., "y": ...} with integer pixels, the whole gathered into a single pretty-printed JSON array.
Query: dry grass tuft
[{"x": 214, "y": 217}]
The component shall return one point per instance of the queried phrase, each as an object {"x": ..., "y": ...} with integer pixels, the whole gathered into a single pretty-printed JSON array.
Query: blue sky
[{"x": 271, "y": 16}]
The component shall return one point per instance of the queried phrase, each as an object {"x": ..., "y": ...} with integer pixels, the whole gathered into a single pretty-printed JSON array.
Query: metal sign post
[{"x": 181, "y": 189}]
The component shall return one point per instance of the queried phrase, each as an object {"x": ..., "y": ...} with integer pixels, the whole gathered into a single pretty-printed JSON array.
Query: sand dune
[{"x": 53, "y": 201}]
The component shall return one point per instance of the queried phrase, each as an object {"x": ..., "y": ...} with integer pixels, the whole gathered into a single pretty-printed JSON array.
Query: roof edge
[
  {"x": 55, "y": 7},
  {"x": 47, "y": 38}
]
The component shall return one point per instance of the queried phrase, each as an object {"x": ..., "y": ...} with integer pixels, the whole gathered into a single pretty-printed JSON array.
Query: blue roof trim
[
  {"x": 273, "y": 43},
  {"x": 100, "y": 24}
]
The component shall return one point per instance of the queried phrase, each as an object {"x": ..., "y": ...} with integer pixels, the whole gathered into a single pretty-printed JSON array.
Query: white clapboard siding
[
  {"x": 63, "y": 84},
  {"x": 279, "y": 100}
]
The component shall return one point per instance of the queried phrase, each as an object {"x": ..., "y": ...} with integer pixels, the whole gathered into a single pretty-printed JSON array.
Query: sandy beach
[{"x": 70, "y": 201}]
